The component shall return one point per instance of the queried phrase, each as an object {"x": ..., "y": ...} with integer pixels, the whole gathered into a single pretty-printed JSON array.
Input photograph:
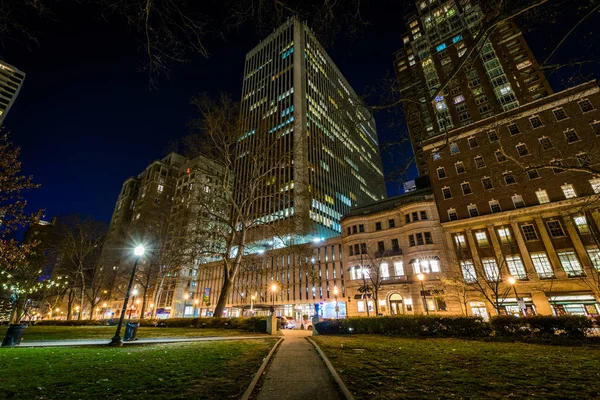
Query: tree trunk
[
  {"x": 227, "y": 284},
  {"x": 82, "y": 296},
  {"x": 157, "y": 293},
  {"x": 17, "y": 311},
  {"x": 70, "y": 300},
  {"x": 143, "y": 309}
]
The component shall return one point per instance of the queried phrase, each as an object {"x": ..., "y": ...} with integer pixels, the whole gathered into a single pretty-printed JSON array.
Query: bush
[
  {"x": 409, "y": 325},
  {"x": 542, "y": 326},
  {"x": 252, "y": 324}
]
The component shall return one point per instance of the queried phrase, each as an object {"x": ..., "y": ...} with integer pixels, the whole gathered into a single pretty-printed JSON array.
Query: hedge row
[
  {"x": 251, "y": 324},
  {"x": 539, "y": 326}
]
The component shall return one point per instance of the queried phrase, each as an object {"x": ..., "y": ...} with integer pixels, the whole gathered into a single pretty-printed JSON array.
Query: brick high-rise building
[
  {"x": 293, "y": 90},
  {"x": 11, "y": 80},
  {"x": 448, "y": 78}
]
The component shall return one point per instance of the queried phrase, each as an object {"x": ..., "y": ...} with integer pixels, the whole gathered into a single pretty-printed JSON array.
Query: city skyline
[{"x": 132, "y": 125}]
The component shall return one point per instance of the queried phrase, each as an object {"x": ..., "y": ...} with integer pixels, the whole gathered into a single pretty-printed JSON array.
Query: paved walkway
[
  {"x": 100, "y": 342},
  {"x": 297, "y": 372}
]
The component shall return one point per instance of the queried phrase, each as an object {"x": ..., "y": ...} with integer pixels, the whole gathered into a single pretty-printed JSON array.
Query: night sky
[{"x": 86, "y": 119}]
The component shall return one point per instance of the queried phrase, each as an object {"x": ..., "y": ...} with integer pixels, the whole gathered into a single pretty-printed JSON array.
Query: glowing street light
[
  {"x": 252, "y": 298},
  {"x": 274, "y": 290},
  {"x": 421, "y": 277},
  {"x": 337, "y": 308},
  {"x": 520, "y": 303},
  {"x": 116, "y": 340}
]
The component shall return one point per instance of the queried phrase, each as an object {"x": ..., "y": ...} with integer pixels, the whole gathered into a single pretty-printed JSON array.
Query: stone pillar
[
  {"x": 523, "y": 248},
  {"x": 556, "y": 265},
  {"x": 497, "y": 247},
  {"x": 542, "y": 306},
  {"x": 474, "y": 252},
  {"x": 272, "y": 324},
  {"x": 577, "y": 243}
]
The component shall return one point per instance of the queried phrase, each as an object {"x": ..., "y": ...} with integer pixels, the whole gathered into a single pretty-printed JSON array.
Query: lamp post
[
  {"x": 116, "y": 340},
  {"x": 337, "y": 309},
  {"x": 421, "y": 277},
  {"x": 185, "y": 299},
  {"x": 512, "y": 281},
  {"x": 273, "y": 290},
  {"x": 252, "y": 298},
  {"x": 196, "y": 301},
  {"x": 134, "y": 293}
]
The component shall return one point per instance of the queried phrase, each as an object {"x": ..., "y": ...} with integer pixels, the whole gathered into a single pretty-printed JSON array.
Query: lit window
[
  {"x": 523, "y": 64},
  {"x": 595, "y": 183},
  {"x": 460, "y": 167},
  {"x": 479, "y": 162},
  {"x": 441, "y": 172},
  {"x": 459, "y": 240},
  {"x": 494, "y": 206},
  {"x": 594, "y": 255},
  {"x": 516, "y": 267},
  {"x": 529, "y": 232},
  {"x": 568, "y": 190},
  {"x": 559, "y": 114},
  {"x": 466, "y": 188},
  {"x": 160, "y": 188},
  {"x": 398, "y": 268},
  {"x": 446, "y": 192},
  {"x": 536, "y": 122},
  {"x": 459, "y": 99},
  {"x": 571, "y": 136},
  {"x": 441, "y": 47},
  {"x": 570, "y": 263},
  {"x": 522, "y": 149},
  {"x": 581, "y": 224},
  {"x": 454, "y": 148},
  {"x": 504, "y": 233},
  {"x": 482, "y": 240},
  {"x": 360, "y": 306},
  {"x": 555, "y": 228},
  {"x": 542, "y": 265},
  {"x": 517, "y": 200},
  {"x": 533, "y": 174},
  {"x": 490, "y": 267},
  {"x": 468, "y": 271},
  {"x": 585, "y": 105},
  {"x": 384, "y": 270},
  {"x": 542, "y": 196},
  {"x": 452, "y": 216},
  {"x": 472, "y": 208}
]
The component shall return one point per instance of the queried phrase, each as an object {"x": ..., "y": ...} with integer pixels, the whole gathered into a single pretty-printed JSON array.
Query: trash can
[
  {"x": 14, "y": 335},
  {"x": 131, "y": 331}
]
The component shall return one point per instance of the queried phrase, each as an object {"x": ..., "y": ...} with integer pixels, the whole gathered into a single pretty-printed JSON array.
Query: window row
[
  {"x": 391, "y": 223},
  {"x": 425, "y": 265},
  {"x": 420, "y": 239}
]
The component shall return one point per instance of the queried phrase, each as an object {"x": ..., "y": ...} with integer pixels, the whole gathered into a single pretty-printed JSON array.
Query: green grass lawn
[
  {"x": 393, "y": 368},
  {"x": 216, "y": 370},
  {"x": 34, "y": 333}
]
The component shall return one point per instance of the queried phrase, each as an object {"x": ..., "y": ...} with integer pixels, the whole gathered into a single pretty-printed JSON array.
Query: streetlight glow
[
  {"x": 511, "y": 280},
  {"x": 335, "y": 290},
  {"x": 420, "y": 277},
  {"x": 273, "y": 288},
  {"x": 139, "y": 250},
  {"x": 186, "y": 296}
]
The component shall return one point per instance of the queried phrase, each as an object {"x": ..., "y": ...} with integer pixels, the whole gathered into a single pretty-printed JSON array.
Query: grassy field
[
  {"x": 216, "y": 370},
  {"x": 34, "y": 333},
  {"x": 393, "y": 368}
]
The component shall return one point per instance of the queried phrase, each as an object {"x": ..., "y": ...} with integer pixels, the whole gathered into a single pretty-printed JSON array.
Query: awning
[{"x": 414, "y": 260}]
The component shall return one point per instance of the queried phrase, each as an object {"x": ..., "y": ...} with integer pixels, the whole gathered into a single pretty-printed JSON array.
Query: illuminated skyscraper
[
  {"x": 11, "y": 80},
  {"x": 454, "y": 70},
  {"x": 293, "y": 91}
]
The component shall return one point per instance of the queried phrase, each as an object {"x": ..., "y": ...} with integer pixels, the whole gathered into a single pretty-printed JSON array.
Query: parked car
[{"x": 287, "y": 322}]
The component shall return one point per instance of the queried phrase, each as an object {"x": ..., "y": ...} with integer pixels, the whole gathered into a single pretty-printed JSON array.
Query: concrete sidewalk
[
  {"x": 101, "y": 342},
  {"x": 297, "y": 372}
]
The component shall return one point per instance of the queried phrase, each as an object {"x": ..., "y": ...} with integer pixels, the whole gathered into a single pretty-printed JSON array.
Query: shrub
[
  {"x": 409, "y": 325},
  {"x": 542, "y": 326}
]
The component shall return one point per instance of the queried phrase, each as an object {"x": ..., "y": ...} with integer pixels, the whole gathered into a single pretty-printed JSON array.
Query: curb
[
  {"x": 260, "y": 371},
  {"x": 333, "y": 372}
]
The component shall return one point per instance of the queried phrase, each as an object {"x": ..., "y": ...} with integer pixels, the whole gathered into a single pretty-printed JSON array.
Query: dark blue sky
[{"x": 86, "y": 119}]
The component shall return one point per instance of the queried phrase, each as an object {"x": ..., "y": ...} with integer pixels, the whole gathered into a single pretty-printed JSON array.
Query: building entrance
[{"x": 396, "y": 304}]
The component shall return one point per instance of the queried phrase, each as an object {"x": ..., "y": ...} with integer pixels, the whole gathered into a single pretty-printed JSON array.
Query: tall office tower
[
  {"x": 11, "y": 80},
  {"x": 293, "y": 92},
  {"x": 450, "y": 78},
  {"x": 141, "y": 214}
]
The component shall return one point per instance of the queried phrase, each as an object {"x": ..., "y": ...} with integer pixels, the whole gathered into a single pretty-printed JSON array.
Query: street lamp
[
  {"x": 252, "y": 298},
  {"x": 337, "y": 309},
  {"x": 273, "y": 289},
  {"x": 421, "y": 277},
  {"x": 134, "y": 293},
  {"x": 512, "y": 281},
  {"x": 185, "y": 298},
  {"x": 116, "y": 340}
]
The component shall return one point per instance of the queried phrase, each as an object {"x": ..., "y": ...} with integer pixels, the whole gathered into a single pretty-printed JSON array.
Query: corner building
[
  {"x": 293, "y": 90},
  {"x": 448, "y": 78}
]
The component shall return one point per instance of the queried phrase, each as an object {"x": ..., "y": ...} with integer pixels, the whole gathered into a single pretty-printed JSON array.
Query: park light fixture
[
  {"x": 511, "y": 280},
  {"x": 104, "y": 305},
  {"x": 186, "y": 296},
  {"x": 116, "y": 340},
  {"x": 421, "y": 277}
]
